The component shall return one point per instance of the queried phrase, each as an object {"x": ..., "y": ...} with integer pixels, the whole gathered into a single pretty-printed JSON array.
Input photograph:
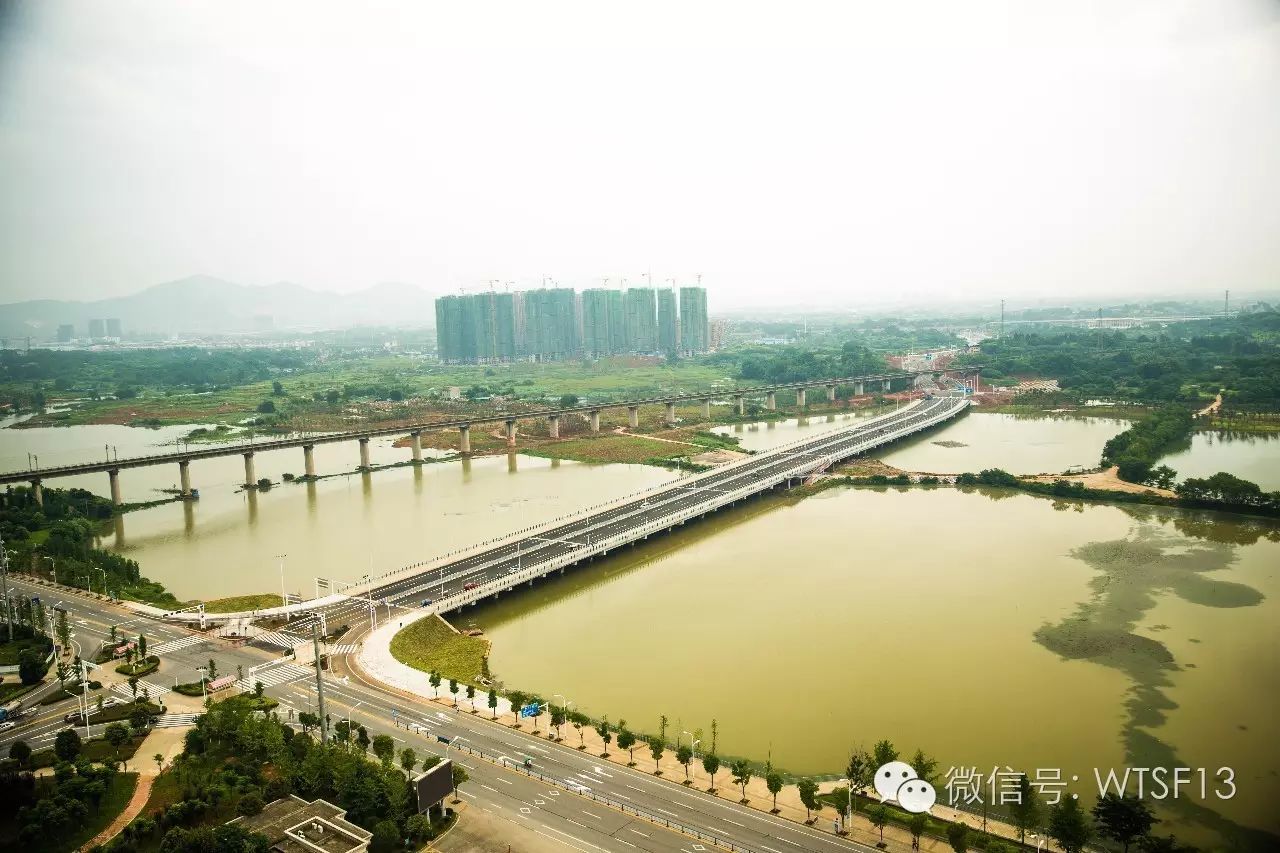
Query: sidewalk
[{"x": 375, "y": 660}]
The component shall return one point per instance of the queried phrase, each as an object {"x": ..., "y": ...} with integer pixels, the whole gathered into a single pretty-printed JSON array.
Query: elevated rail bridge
[{"x": 183, "y": 458}]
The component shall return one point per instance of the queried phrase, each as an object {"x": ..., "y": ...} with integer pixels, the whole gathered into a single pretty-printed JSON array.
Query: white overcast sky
[{"x": 790, "y": 152}]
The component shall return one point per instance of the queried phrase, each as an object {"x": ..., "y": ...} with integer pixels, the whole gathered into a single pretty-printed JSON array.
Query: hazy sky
[{"x": 790, "y": 152}]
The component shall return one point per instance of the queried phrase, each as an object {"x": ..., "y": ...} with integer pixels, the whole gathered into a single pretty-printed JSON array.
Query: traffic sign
[{"x": 530, "y": 710}]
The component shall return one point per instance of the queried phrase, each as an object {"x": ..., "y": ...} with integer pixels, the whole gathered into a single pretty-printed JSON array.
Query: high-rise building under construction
[
  {"x": 695, "y": 331},
  {"x": 668, "y": 330},
  {"x": 554, "y": 324}
]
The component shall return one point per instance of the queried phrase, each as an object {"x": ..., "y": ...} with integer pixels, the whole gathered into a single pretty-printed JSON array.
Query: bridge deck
[{"x": 525, "y": 557}]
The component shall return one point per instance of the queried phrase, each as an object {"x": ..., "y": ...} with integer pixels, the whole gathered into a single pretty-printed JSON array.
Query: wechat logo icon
[{"x": 899, "y": 783}]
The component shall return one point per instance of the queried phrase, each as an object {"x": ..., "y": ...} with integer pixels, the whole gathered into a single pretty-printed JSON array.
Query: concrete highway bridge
[
  {"x": 183, "y": 458},
  {"x": 462, "y": 578}
]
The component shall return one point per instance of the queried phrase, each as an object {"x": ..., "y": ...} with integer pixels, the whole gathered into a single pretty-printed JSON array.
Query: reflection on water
[
  {"x": 1252, "y": 457},
  {"x": 934, "y": 618}
]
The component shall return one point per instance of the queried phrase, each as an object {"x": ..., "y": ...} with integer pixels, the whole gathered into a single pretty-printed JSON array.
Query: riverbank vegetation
[
  {"x": 1222, "y": 492},
  {"x": 431, "y": 645},
  {"x": 1135, "y": 451},
  {"x": 57, "y": 541}
]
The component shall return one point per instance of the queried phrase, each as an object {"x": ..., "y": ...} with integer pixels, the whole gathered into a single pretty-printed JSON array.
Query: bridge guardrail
[{"x": 715, "y": 501}]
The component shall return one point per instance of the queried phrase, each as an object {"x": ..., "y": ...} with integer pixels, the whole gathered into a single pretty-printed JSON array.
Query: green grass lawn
[
  {"x": 633, "y": 449},
  {"x": 237, "y": 603},
  {"x": 430, "y": 644}
]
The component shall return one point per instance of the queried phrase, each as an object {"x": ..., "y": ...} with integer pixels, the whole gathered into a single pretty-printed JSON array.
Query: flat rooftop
[{"x": 292, "y": 825}]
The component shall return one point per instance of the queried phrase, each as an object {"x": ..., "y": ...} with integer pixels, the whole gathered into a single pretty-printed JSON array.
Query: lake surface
[
  {"x": 340, "y": 527},
  {"x": 1017, "y": 443},
  {"x": 986, "y": 628},
  {"x": 1252, "y": 457}
]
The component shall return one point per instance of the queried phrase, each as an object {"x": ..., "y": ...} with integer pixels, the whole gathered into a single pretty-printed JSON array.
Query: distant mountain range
[{"x": 205, "y": 305}]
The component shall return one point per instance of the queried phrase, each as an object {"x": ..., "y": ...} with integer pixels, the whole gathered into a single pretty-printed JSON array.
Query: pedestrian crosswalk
[
  {"x": 165, "y": 721},
  {"x": 273, "y": 676},
  {"x": 174, "y": 645},
  {"x": 281, "y": 639},
  {"x": 153, "y": 691},
  {"x": 341, "y": 649}
]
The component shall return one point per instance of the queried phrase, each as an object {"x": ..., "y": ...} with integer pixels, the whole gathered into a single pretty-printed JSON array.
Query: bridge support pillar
[
  {"x": 415, "y": 440},
  {"x": 184, "y": 477},
  {"x": 364, "y": 455},
  {"x": 511, "y": 433},
  {"x": 595, "y": 420},
  {"x": 741, "y": 403},
  {"x": 859, "y": 389},
  {"x": 801, "y": 397},
  {"x": 553, "y": 426},
  {"x": 633, "y": 416},
  {"x": 37, "y": 492},
  {"x": 771, "y": 401},
  {"x": 464, "y": 438},
  {"x": 249, "y": 479},
  {"x": 886, "y": 386},
  {"x": 309, "y": 459},
  {"x": 831, "y": 393},
  {"x": 671, "y": 414},
  {"x": 114, "y": 476},
  {"x": 706, "y": 410}
]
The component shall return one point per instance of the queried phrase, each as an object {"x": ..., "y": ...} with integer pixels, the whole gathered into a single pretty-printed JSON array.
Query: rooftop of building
[{"x": 293, "y": 825}]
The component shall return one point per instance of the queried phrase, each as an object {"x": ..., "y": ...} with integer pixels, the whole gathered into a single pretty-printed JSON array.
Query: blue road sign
[{"x": 529, "y": 710}]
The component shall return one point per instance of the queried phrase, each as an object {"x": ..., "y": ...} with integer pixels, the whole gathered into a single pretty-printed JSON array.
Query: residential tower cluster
[{"x": 553, "y": 324}]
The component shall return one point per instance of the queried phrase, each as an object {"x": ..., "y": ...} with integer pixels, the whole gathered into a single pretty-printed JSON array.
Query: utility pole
[
  {"x": 4, "y": 580},
  {"x": 1226, "y": 304},
  {"x": 324, "y": 721},
  {"x": 1001, "y": 319}
]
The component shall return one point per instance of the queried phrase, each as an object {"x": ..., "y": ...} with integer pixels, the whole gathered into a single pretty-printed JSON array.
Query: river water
[{"x": 986, "y": 628}]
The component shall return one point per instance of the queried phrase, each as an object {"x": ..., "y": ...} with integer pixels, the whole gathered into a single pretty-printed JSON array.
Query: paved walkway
[
  {"x": 141, "y": 793},
  {"x": 376, "y": 660},
  {"x": 167, "y": 742}
]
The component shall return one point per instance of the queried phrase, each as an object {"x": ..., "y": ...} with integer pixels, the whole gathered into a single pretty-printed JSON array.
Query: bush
[{"x": 249, "y": 805}]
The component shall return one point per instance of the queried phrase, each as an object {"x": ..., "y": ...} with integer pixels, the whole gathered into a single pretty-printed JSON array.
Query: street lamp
[
  {"x": 204, "y": 675},
  {"x": 104, "y": 578},
  {"x": 284, "y": 597},
  {"x": 448, "y": 746},
  {"x": 693, "y": 748}
]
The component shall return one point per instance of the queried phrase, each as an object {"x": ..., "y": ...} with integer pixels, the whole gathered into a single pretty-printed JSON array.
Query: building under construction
[{"x": 553, "y": 324}]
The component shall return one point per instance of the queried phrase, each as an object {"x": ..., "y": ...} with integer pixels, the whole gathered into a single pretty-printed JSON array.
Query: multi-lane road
[
  {"x": 448, "y": 585},
  {"x": 560, "y": 799}
]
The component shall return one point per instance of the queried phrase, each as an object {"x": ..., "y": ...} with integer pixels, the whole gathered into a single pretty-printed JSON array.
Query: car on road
[
  {"x": 6, "y": 725},
  {"x": 426, "y": 602},
  {"x": 469, "y": 585}
]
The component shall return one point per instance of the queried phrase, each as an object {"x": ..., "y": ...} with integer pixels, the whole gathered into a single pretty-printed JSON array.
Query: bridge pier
[
  {"x": 249, "y": 479},
  {"x": 706, "y": 410},
  {"x": 415, "y": 440},
  {"x": 114, "y": 476},
  {"x": 364, "y": 454},
  {"x": 553, "y": 426},
  {"x": 511, "y": 433},
  {"x": 464, "y": 438},
  {"x": 633, "y": 416},
  {"x": 771, "y": 401},
  {"x": 800, "y": 397},
  {"x": 741, "y": 403},
  {"x": 184, "y": 477},
  {"x": 859, "y": 389},
  {"x": 831, "y": 393},
  {"x": 886, "y": 386},
  {"x": 671, "y": 414},
  {"x": 309, "y": 459},
  {"x": 595, "y": 420},
  {"x": 37, "y": 492}
]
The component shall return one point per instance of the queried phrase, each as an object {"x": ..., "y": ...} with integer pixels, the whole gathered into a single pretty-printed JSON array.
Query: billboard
[{"x": 434, "y": 785}]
